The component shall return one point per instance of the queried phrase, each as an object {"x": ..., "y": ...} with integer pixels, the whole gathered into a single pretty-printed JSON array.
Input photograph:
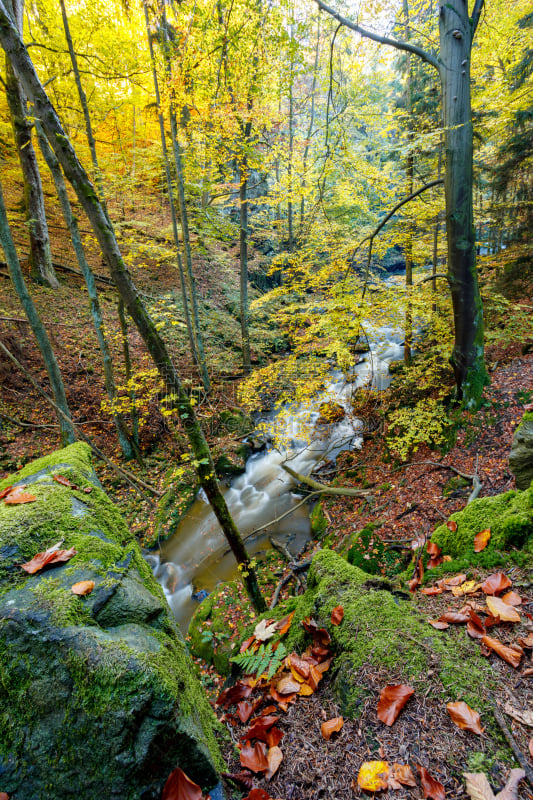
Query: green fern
[{"x": 265, "y": 659}]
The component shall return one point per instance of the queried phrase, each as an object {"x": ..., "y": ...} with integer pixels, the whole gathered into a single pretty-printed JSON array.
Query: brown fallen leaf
[
  {"x": 448, "y": 583},
  {"x": 475, "y": 627},
  {"x": 243, "y": 779},
  {"x": 83, "y": 587},
  {"x": 512, "y": 599},
  {"x": 418, "y": 577},
  {"x": 505, "y": 612},
  {"x": 62, "y": 480},
  {"x": 403, "y": 774},
  {"x": 508, "y": 654},
  {"x": 287, "y": 685},
  {"x": 180, "y": 787},
  {"x": 481, "y": 540},
  {"x": 438, "y": 625},
  {"x": 259, "y": 727},
  {"x": 374, "y": 776},
  {"x": 391, "y": 702},
  {"x": 331, "y": 726},
  {"x": 254, "y": 758},
  {"x": 451, "y": 525},
  {"x": 274, "y": 758},
  {"x": 454, "y": 617},
  {"x": 53, "y": 555},
  {"x": 4, "y": 796},
  {"x": 299, "y": 665},
  {"x": 465, "y": 717},
  {"x": 521, "y": 715},
  {"x": 526, "y": 641},
  {"x": 337, "y": 615},
  {"x": 284, "y": 624},
  {"x": 431, "y": 787},
  {"x": 18, "y": 496},
  {"x": 233, "y": 694},
  {"x": 478, "y": 787},
  {"x": 531, "y": 747},
  {"x": 4, "y": 493},
  {"x": 495, "y": 583},
  {"x": 244, "y": 711},
  {"x": 274, "y": 737},
  {"x": 431, "y": 590}
]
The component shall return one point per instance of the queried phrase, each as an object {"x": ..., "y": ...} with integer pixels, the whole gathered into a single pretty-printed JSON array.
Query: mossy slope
[{"x": 98, "y": 695}]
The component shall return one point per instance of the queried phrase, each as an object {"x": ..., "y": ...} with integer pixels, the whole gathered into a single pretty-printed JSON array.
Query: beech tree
[{"x": 457, "y": 29}]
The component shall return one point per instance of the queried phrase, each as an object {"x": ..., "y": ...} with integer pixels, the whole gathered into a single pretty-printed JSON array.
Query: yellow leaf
[{"x": 374, "y": 776}]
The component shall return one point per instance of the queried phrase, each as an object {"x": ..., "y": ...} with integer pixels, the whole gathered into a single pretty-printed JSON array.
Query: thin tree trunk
[
  {"x": 409, "y": 176},
  {"x": 129, "y": 373},
  {"x": 40, "y": 253},
  {"x": 455, "y": 50},
  {"x": 68, "y": 434},
  {"x": 291, "y": 149},
  {"x": 96, "y": 312},
  {"x": 74, "y": 171},
  {"x": 436, "y": 230},
  {"x": 243, "y": 257},
  {"x": 309, "y": 130}
]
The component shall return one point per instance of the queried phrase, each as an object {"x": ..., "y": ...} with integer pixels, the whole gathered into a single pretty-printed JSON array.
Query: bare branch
[
  {"x": 476, "y": 14},
  {"x": 397, "y": 43},
  {"x": 432, "y": 277}
]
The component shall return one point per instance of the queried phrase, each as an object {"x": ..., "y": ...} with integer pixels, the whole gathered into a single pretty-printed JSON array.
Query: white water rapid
[{"x": 197, "y": 556}]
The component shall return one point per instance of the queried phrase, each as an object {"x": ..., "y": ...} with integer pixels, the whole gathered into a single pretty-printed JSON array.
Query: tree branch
[
  {"x": 322, "y": 487},
  {"x": 432, "y": 278},
  {"x": 476, "y": 14},
  {"x": 397, "y": 43}
]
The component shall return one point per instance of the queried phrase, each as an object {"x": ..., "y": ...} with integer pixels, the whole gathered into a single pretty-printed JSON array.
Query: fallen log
[{"x": 322, "y": 487}]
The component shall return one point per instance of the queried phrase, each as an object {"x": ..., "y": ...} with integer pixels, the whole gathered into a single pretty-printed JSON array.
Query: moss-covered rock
[
  {"x": 521, "y": 455},
  {"x": 509, "y": 517},
  {"x": 382, "y": 633},
  {"x": 98, "y": 695},
  {"x": 215, "y": 627}
]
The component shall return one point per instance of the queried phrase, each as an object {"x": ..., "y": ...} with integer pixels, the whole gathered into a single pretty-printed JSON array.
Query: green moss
[
  {"x": 318, "y": 520},
  {"x": 77, "y": 456},
  {"x": 509, "y": 517}
]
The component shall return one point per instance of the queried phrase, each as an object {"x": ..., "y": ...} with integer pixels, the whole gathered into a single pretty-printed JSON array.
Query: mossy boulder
[
  {"x": 181, "y": 488},
  {"x": 98, "y": 696},
  {"x": 509, "y": 517},
  {"x": 521, "y": 455},
  {"x": 382, "y": 633},
  {"x": 215, "y": 626}
]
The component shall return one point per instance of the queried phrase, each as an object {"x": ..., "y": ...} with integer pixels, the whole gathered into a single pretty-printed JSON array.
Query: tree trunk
[
  {"x": 96, "y": 312},
  {"x": 455, "y": 49},
  {"x": 243, "y": 256},
  {"x": 409, "y": 176},
  {"x": 68, "y": 434},
  {"x": 18, "y": 55}
]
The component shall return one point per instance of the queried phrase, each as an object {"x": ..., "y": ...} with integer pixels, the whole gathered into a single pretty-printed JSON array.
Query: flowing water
[{"x": 196, "y": 558}]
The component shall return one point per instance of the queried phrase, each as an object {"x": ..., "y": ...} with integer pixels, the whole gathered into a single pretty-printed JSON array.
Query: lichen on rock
[{"x": 98, "y": 695}]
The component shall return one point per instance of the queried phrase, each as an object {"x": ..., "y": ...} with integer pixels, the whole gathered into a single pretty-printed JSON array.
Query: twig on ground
[{"x": 519, "y": 755}]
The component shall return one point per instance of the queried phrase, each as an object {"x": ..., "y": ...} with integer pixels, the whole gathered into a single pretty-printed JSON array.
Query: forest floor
[{"x": 409, "y": 500}]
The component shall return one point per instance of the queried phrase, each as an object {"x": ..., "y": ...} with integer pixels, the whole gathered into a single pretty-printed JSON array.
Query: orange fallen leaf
[
  {"x": 505, "y": 612},
  {"x": 51, "y": 556},
  {"x": 62, "y": 480},
  {"x": 418, "y": 577},
  {"x": 180, "y": 787},
  {"x": 431, "y": 787},
  {"x": 403, "y": 774},
  {"x": 306, "y": 690},
  {"x": 512, "y": 599},
  {"x": 454, "y": 617},
  {"x": 495, "y": 583},
  {"x": 331, "y": 726},
  {"x": 513, "y": 657},
  {"x": 475, "y": 627},
  {"x": 287, "y": 685},
  {"x": 274, "y": 737},
  {"x": 244, "y": 711},
  {"x": 391, "y": 702},
  {"x": 448, "y": 583},
  {"x": 481, "y": 540},
  {"x": 254, "y": 758},
  {"x": 4, "y": 493},
  {"x": 527, "y": 641},
  {"x": 465, "y": 717},
  {"x": 374, "y": 776},
  {"x": 337, "y": 615},
  {"x": 432, "y": 590},
  {"x": 438, "y": 625},
  {"x": 468, "y": 587},
  {"x": 284, "y": 624},
  {"x": 18, "y": 496},
  {"x": 83, "y": 587},
  {"x": 300, "y": 666},
  {"x": 531, "y": 747},
  {"x": 274, "y": 758},
  {"x": 451, "y": 525}
]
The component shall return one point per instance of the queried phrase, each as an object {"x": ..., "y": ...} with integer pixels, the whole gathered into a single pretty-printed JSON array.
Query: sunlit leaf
[
  {"x": 265, "y": 630},
  {"x": 500, "y": 609},
  {"x": 431, "y": 787},
  {"x": 306, "y": 690},
  {"x": 481, "y": 540},
  {"x": 391, "y": 702},
  {"x": 373, "y": 776},
  {"x": 337, "y": 615},
  {"x": 4, "y": 493},
  {"x": 468, "y": 587},
  {"x": 465, "y": 717},
  {"x": 180, "y": 787},
  {"x": 331, "y": 726},
  {"x": 495, "y": 583}
]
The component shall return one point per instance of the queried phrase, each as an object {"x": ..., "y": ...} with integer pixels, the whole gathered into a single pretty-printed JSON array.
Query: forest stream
[{"x": 197, "y": 556}]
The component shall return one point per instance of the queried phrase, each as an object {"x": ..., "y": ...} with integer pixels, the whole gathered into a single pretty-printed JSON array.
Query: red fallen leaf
[
  {"x": 403, "y": 774},
  {"x": 481, "y": 540},
  {"x": 282, "y": 699},
  {"x": 417, "y": 578},
  {"x": 88, "y": 489},
  {"x": 274, "y": 758},
  {"x": 531, "y": 747},
  {"x": 431, "y": 787},
  {"x": 246, "y": 644},
  {"x": 257, "y": 794},
  {"x": 244, "y": 711},
  {"x": 391, "y": 702},
  {"x": 4, "y": 493},
  {"x": 244, "y": 778},
  {"x": 284, "y": 624},
  {"x": 180, "y": 787},
  {"x": 474, "y": 626},
  {"x": 489, "y": 621},
  {"x": 465, "y": 717},
  {"x": 454, "y": 618},
  {"x": 320, "y": 635},
  {"x": 301, "y": 666},
  {"x": 4, "y": 796},
  {"x": 259, "y": 728},
  {"x": 512, "y": 599},
  {"x": 51, "y": 556},
  {"x": 18, "y": 496},
  {"x": 433, "y": 549},
  {"x": 507, "y": 653},
  {"x": 233, "y": 694},
  {"x": 274, "y": 737},
  {"x": 254, "y": 757},
  {"x": 83, "y": 587},
  {"x": 330, "y": 727},
  {"x": 438, "y": 625},
  {"x": 435, "y": 561},
  {"x": 337, "y": 615},
  {"x": 320, "y": 653},
  {"x": 451, "y": 525},
  {"x": 495, "y": 583},
  {"x": 431, "y": 590},
  {"x": 267, "y": 710},
  {"x": 62, "y": 480}
]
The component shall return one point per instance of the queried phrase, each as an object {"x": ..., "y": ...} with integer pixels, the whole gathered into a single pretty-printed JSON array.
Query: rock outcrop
[
  {"x": 98, "y": 695},
  {"x": 521, "y": 455}
]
